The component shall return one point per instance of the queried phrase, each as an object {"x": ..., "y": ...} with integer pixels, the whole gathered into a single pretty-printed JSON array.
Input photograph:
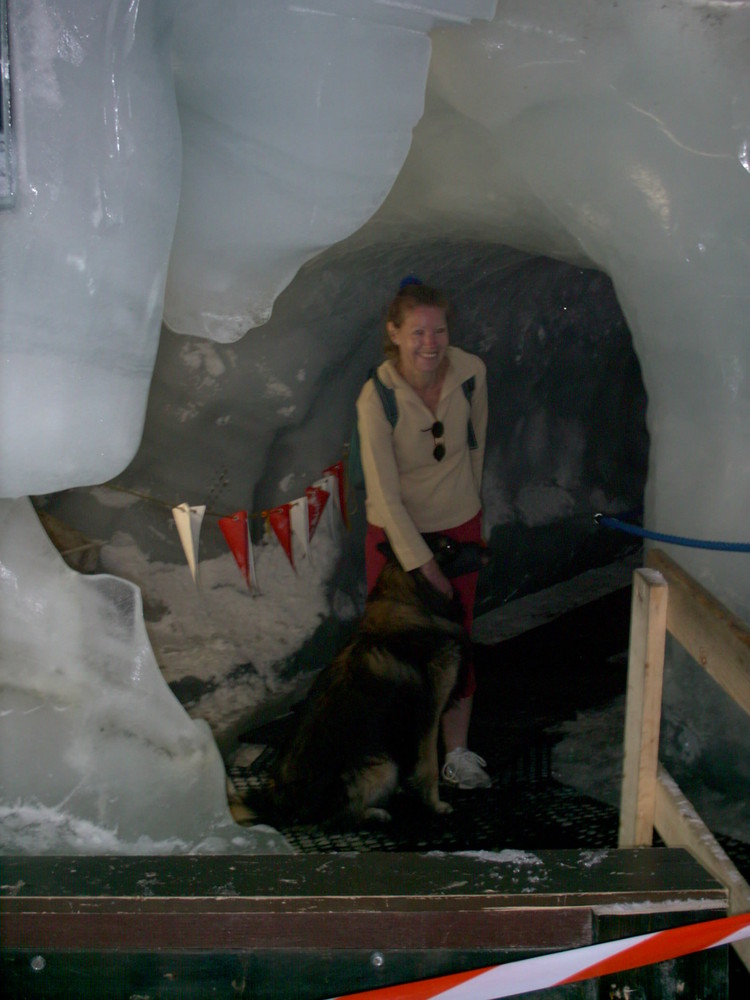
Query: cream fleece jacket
[{"x": 408, "y": 491}]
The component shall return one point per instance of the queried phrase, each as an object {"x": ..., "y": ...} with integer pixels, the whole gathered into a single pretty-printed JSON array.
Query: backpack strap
[
  {"x": 468, "y": 386},
  {"x": 387, "y": 397}
]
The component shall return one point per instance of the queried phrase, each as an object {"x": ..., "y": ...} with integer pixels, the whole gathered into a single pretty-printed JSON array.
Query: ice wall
[
  {"x": 84, "y": 250},
  {"x": 96, "y": 753},
  {"x": 296, "y": 121}
]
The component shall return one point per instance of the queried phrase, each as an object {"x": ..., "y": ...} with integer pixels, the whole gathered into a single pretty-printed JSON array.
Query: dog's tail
[{"x": 246, "y": 809}]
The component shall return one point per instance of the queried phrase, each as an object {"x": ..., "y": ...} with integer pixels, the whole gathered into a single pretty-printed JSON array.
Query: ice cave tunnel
[{"x": 204, "y": 209}]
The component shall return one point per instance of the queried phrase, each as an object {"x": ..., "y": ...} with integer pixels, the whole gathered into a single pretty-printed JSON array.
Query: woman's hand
[{"x": 435, "y": 576}]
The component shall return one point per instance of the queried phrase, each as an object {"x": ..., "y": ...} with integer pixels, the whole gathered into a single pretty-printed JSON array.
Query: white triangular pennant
[
  {"x": 189, "y": 520},
  {"x": 300, "y": 524},
  {"x": 251, "y": 562},
  {"x": 333, "y": 507}
]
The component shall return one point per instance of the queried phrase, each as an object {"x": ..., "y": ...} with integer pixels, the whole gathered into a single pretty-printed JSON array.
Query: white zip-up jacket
[{"x": 408, "y": 490}]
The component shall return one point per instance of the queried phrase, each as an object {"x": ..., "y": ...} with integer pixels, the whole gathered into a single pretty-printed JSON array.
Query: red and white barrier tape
[{"x": 559, "y": 968}]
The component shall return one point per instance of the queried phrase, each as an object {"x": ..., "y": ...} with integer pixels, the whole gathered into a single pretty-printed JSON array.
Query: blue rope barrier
[{"x": 696, "y": 543}]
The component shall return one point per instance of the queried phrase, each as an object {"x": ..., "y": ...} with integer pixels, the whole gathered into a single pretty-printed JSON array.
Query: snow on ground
[{"x": 220, "y": 643}]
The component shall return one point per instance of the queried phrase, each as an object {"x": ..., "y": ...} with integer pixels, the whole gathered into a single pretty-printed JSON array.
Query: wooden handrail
[
  {"x": 714, "y": 636},
  {"x": 643, "y": 716},
  {"x": 667, "y": 599}
]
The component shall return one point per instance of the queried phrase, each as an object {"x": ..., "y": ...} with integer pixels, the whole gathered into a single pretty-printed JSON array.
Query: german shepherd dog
[{"x": 370, "y": 722}]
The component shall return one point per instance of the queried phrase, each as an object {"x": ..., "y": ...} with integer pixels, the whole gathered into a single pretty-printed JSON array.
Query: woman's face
[{"x": 422, "y": 340}]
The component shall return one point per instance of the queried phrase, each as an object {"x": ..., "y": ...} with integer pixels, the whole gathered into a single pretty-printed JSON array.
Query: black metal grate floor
[
  {"x": 525, "y": 809},
  {"x": 526, "y": 685},
  {"x": 530, "y": 811}
]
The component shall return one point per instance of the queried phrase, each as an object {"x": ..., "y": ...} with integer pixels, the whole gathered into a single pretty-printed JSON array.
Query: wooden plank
[
  {"x": 714, "y": 636},
  {"x": 679, "y": 825},
  {"x": 216, "y": 930},
  {"x": 516, "y": 898},
  {"x": 373, "y": 878},
  {"x": 643, "y": 708}
]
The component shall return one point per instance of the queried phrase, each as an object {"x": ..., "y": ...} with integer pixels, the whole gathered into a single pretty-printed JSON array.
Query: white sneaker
[{"x": 464, "y": 768}]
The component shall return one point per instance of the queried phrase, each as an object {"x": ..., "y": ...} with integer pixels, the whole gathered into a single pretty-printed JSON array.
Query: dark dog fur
[{"x": 370, "y": 723}]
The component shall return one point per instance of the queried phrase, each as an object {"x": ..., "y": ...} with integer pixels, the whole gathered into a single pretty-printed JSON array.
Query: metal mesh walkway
[{"x": 526, "y": 686}]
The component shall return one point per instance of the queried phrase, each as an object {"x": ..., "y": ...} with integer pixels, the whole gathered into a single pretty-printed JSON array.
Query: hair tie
[{"x": 410, "y": 279}]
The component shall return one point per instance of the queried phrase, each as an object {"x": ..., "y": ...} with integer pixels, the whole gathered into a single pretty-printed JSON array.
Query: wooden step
[{"x": 322, "y": 925}]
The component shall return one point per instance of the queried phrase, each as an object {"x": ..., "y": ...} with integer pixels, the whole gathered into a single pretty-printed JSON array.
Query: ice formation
[
  {"x": 98, "y": 755},
  {"x": 269, "y": 182},
  {"x": 187, "y": 159},
  {"x": 84, "y": 250}
]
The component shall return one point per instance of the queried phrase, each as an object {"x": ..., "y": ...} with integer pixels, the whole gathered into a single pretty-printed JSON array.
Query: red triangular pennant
[
  {"x": 280, "y": 521},
  {"x": 234, "y": 530},
  {"x": 337, "y": 470},
  {"x": 317, "y": 498}
]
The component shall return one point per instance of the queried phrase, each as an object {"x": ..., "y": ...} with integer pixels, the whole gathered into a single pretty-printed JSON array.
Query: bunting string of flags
[{"x": 296, "y": 519}]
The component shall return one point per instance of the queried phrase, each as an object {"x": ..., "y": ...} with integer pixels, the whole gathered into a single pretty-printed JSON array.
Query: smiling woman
[{"x": 424, "y": 473}]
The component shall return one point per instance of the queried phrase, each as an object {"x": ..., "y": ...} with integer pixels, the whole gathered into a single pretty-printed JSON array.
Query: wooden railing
[{"x": 666, "y": 598}]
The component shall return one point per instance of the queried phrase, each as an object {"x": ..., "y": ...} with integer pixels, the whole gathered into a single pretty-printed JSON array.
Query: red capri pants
[{"x": 465, "y": 586}]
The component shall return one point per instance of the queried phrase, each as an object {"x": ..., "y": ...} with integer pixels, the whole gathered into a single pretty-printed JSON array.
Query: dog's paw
[
  {"x": 381, "y": 815},
  {"x": 442, "y": 808}
]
